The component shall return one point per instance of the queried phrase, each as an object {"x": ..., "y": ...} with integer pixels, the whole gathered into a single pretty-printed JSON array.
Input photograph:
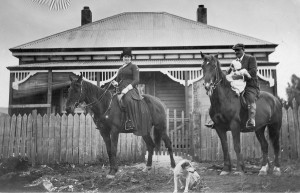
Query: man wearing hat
[{"x": 252, "y": 86}]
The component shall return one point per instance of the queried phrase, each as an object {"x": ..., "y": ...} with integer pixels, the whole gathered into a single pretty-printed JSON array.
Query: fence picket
[
  {"x": 6, "y": 136},
  {"x": 23, "y": 137},
  {"x": 284, "y": 136},
  {"x": 88, "y": 142},
  {"x": 292, "y": 133},
  {"x": 175, "y": 132},
  {"x": 2, "y": 128},
  {"x": 29, "y": 137},
  {"x": 57, "y": 140},
  {"x": 12, "y": 136},
  {"x": 70, "y": 138},
  {"x": 63, "y": 136},
  {"x": 18, "y": 135},
  {"x": 82, "y": 139},
  {"x": 45, "y": 139},
  {"x": 95, "y": 142},
  {"x": 39, "y": 140},
  {"x": 76, "y": 136},
  {"x": 51, "y": 138}
]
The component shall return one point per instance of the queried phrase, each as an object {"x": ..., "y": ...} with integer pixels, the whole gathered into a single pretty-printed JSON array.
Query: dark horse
[
  {"x": 108, "y": 119},
  {"x": 228, "y": 113}
]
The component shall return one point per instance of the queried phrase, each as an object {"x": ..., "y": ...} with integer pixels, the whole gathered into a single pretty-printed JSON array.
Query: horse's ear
[
  {"x": 71, "y": 78},
  {"x": 80, "y": 78},
  {"x": 202, "y": 55},
  {"x": 216, "y": 55}
]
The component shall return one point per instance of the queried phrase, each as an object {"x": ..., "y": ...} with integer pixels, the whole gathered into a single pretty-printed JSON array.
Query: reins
[
  {"x": 218, "y": 79},
  {"x": 97, "y": 100}
]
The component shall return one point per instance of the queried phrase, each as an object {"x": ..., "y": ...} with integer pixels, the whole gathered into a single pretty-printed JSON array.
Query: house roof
[{"x": 142, "y": 29}]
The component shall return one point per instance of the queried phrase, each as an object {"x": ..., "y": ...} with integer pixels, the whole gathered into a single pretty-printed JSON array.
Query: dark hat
[
  {"x": 126, "y": 52},
  {"x": 238, "y": 46}
]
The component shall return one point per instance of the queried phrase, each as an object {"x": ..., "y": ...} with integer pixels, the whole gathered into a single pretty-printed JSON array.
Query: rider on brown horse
[
  {"x": 136, "y": 110},
  {"x": 252, "y": 85}
]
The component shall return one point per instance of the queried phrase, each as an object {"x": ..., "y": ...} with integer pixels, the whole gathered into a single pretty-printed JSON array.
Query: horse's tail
[{"x": 159, "y": 117}]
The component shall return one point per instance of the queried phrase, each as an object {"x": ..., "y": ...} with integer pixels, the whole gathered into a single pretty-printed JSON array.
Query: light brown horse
[
  {"x": 109, "y": 122},
  {"x": 229, "y": 115}
]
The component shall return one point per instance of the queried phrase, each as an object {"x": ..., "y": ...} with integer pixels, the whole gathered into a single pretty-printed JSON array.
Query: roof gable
[{"x": 142, "y": 29}]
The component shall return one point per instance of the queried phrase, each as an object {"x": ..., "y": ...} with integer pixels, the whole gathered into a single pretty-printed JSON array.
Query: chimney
[
  {"x": 86, "y": 16},
  {"x": 202, "y": 14}
]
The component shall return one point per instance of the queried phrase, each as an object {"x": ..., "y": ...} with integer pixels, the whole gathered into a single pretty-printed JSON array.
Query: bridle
[
  {"x": 96, "y": 101},
  {"x": 217, "y": 81}
]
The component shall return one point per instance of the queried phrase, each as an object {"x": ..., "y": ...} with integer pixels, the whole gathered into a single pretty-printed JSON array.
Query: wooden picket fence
[
  {"x": 74, "y": 139},
  {"x": 191, "y": 138},
  {"x": 61, "y": 139}
]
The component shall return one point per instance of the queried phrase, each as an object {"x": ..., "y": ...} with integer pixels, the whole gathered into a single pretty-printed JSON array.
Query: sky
[{"x": 276, "y": 21}]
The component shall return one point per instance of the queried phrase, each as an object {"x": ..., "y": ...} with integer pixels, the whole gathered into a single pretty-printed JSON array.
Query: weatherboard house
[{"x": 166, "y": 48}]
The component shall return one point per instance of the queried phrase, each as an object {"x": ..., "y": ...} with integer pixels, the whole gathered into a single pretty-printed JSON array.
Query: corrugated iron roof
[{"x": 142, "y": 29}]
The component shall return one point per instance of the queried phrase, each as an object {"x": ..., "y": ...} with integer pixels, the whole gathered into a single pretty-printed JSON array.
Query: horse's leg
[
  {"x": 168, "y": 145},
  {"x": 260, "y": 134},
  {"x": 227, "y": 163},
  {"x": 150, "y": 148},
  {"x": 274, "y": 133},
  {"x": 111, "y": 148},
  {"x": 235, "y": 131}
]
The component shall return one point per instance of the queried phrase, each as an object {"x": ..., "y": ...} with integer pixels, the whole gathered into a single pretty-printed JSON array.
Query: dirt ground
[{"x": 130, "y": 178}]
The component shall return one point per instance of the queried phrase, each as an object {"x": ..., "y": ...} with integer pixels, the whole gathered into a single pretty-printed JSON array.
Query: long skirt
[{"x": 138, "y": 112}]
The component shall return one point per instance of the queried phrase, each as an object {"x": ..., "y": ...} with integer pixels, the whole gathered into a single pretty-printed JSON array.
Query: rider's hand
[
  {"x": 114, "y": 83},
  {"x": 120, "y": 96}
]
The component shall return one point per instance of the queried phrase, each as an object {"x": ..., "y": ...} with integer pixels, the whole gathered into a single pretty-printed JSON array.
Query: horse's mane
[
  {"x": 222, "y": 75},
  {"x": 91, "y": 91}
]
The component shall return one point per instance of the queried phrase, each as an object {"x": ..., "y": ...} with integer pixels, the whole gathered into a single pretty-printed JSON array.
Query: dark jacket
[{"x": 129, "y": 75}]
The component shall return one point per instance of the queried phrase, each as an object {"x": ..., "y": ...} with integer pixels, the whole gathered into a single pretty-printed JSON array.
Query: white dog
[{"x": 185, "y": 170}]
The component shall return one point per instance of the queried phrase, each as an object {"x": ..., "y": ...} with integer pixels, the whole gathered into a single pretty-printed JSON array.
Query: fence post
[{"x": 191, "y": 136}]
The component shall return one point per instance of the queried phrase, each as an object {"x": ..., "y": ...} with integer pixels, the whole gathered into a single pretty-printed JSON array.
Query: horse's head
[
  {"x": 211, "y": 74},
  {"x": 74, "y": 94}
]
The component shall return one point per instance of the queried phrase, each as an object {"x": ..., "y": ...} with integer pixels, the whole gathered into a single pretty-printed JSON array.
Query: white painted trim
[{"x": 15, "y": 84}]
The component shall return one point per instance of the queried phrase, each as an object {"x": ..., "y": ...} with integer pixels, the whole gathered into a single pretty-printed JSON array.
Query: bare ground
[{"x": 130, "y": 178}]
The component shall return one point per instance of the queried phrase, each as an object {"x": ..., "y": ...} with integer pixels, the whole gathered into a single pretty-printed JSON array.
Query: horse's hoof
[
  {"x": 109, "y": 176},
  {"x": 276, "y": 171},
  {"x": 147, "y": 168},
  {"x": 262, "y": 173},
  {"x": 224, "y": 173},
  {"x": 237, "y": 173}
]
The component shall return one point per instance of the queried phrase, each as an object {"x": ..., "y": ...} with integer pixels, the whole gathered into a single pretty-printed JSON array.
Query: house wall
[{"x": 170, "y": 92}]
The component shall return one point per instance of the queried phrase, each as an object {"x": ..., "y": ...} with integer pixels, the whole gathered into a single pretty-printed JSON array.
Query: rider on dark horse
[
  {"x": 136, "y": 110},
  {"x": 252, "y": 85}
]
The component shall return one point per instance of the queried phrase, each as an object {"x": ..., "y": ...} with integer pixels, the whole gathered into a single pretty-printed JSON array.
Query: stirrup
[
  {"x": 129, "y": 125},
  {"x": 210, "y": 124}
]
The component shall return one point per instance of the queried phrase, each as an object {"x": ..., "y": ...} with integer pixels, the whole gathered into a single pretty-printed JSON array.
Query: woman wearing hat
[{"x": 136, "y": 110}]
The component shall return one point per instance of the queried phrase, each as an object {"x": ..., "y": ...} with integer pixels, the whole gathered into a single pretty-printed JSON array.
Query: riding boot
[
  {"x": 210, "y": 124},
  {"x": 129, "y": 123},
  {"x": 251, "y": 113}
]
